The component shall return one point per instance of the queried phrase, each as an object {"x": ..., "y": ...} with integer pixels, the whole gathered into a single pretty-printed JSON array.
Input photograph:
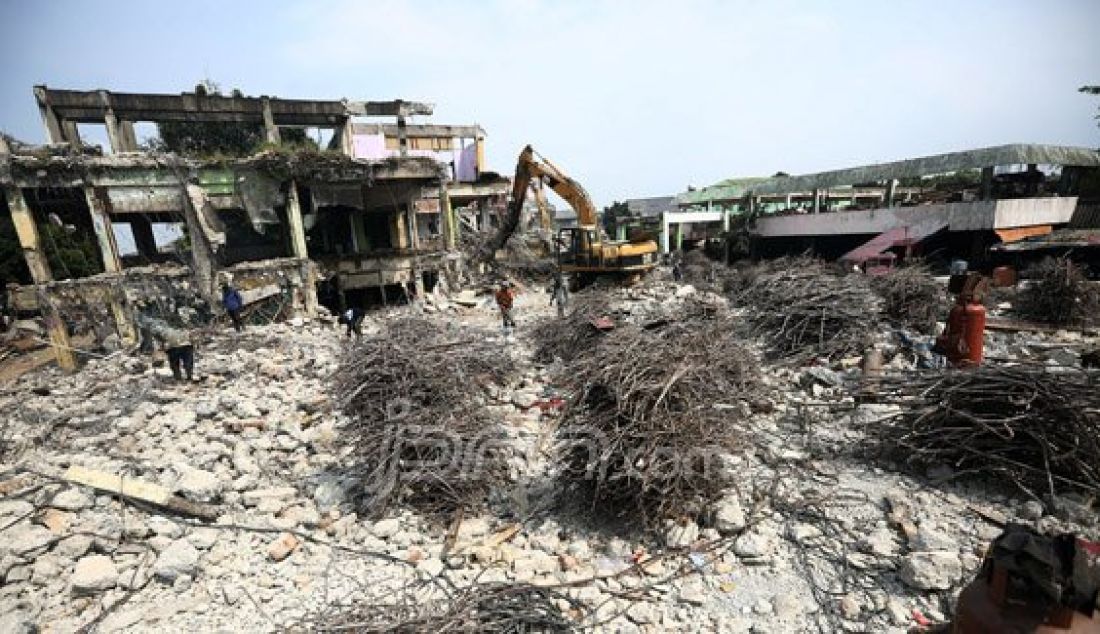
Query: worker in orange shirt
[{"x": 506, "y": 298}]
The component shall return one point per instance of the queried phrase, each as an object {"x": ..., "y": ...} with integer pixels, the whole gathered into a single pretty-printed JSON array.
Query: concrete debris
[{"x": 803, "y": 532}]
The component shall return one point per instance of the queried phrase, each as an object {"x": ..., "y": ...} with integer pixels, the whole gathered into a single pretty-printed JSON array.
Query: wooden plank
[{"x": 140, "y": 490}]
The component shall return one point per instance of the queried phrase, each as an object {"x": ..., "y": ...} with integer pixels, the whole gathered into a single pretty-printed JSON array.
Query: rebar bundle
[
  {"x": 911, "y": 298},
  {"x": 651, "y": 410},
  {"x": 415, "y": 396},
  {"x": 1024, "y": 424},
  {"x": 1060, "y": 293},
  {"x": 482, "y": 608},
  {"x": 803, "y": 308},
  {"x": 564, "y": 338}
]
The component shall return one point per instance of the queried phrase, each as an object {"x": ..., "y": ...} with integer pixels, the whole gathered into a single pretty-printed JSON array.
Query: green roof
[{"x": 1015, "y": 154}]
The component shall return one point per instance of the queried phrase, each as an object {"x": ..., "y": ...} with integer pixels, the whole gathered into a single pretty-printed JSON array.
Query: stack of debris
[
  {"x": 911, "y": 298},
  {"x": 1028, "y": 425},
  {"x": 416, "y": 395},
  {"x": 1060, "y": 293},
  {"x": 653, "y": 407},
  {"x": 803, "y": 308}
]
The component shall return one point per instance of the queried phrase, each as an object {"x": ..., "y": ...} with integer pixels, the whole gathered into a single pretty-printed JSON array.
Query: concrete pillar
[
  {"x": 309, "y": 288},
  {"x": 54, "y": 132},
  {"x": 664, "y": 232},
  {"x": 891, "y": 190},
  {"x": 128, "y": 136},
  {"x": 294, "y": 222},
  {"x": 27, "y": 231},
  {"x": 448, "y": 224},
  {"x": 479, "y": 150},
  {"x": 817, "y": 201},
  {"x": 104, "y": 233},
  {"x": 788, "y": 201},
  {"x": 114, "y": 135},
  {"x": 402, "y": 136},
  {"x": 144, "y": 239},
  {"x": 679, "y": 236},
  {"x": 270, "y": 129},
  {"x": 58, "y": 333},
  {"x": 4, "y": 149},
  {"x": 72, "y": 133},
  {"x": 987, "y": 183},
  {"x": 412, "y": 218},
  {"x": 346, "y": 139},
  {"x": 203, "y": 265},
  {"x": 124, "y": 324},
  {"x": 725, "y": 220}
]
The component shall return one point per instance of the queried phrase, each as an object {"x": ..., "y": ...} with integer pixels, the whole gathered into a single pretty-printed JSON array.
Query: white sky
[{"x": 631, "y": 98}]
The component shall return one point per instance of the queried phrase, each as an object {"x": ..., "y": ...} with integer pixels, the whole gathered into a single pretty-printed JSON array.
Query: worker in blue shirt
[{"x": 231, "y": 300}]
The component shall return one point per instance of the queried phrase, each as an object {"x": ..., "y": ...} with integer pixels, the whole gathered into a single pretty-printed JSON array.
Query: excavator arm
[{"x": 529, "y": 167}]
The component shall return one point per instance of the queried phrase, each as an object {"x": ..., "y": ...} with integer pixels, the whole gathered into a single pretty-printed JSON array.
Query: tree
[
  {"x": 1092, "y": 90},
  {"x": 212, "y": 138},
  {"x": 611, "y": 213}
]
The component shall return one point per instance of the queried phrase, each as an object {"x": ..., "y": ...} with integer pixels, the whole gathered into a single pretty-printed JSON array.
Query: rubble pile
[
  {"x": 1032, "y": 425},
  {"x": 567, "y": 337},
  {"x": 435, "y": 607},
  {"x": 411, "y": 391},
  {"x": 911, "y": 298},
  {"x": 650, "y": 407},
  {"x": 803, "y": 308},
  {"x": 1059, "y": 293},
  {"x": 517, "y": 259}
]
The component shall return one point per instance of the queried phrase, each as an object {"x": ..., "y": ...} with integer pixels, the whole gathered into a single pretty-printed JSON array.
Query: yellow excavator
[{"x": 584, "y": 251}]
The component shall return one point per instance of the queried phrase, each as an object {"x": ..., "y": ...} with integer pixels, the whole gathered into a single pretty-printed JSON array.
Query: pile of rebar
[
  {"x": 564, "y": 338},
  {"x": 1060, "y": 293},
  {"x": 651, "y": 408},
  {"x": 415, "y": 395},
  {"x": 1025, "y": 424},
  {"x": 489, "y": 608},
  {"x": 803, "y": 308},
  {"x": 911, "y": 298}
]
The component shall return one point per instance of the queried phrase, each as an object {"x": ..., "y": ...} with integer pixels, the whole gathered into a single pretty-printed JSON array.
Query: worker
[
  {"x": 353, "y": 318},
  {"x": 231, "y": 300},
  {"x": 559, "y": 294},
  {"x": 177, "y": 345},
  {"x": 506, "y": 298},
  {"x": 677, "y": 270}
]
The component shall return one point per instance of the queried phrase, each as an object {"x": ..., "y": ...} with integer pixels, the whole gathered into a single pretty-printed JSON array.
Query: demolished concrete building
[
  {"x": 373, "y": 218},
  {"x": 1006, "y": 193}
]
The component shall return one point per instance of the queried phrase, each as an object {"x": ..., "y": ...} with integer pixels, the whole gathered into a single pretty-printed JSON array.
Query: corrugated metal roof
[
  {"x": 1020, "y": 153},
  {"x": 650, "y": 206}
]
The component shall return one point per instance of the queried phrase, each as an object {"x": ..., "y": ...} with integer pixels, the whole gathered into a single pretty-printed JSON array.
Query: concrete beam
[
  {"x": 54, "y": 132},
  {"x": 129, "y": 137},
  {"x": 271, "y": 131},
  {"x": 29, "y": 240},
  {"x": 202, "y": 250}
]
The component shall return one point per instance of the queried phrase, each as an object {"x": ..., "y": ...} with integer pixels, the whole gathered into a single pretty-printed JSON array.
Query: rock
[
  {"x": 820, "y": 375},
  {"x": 206, "y": 409},
  {"x": 281, "y": 548},
  {"x": 330, "y": 493},
  {"x": 680, "y": 534},
  {"x": 197, "y": 484},
  {"x": 849, "y": 607},
  {"x": 728, "y": 515},
  {"x": 164, "y": 527},
  {"x": 928, "y": 538},
  {"x": 685, "y": 290},
  {"x": 432, "y": 566},
  {"x": 899, "y": 615},
  {"x": 26, "y": 539},
  {"x": 802, "y": 533},
  {"x": 535, "y": 562},
  {"x": 1030, "y": 510},
  {"x": 276, "y": 494},
  {"x": 178, "y": 559},
  {"x": 73, "y": 500},
  {"x": 936, "y": 570},
  {"x": 92, "y": 574},
  {"x": 385, "y": 528},
  {"x": 73, "y": 546},
  {"x": 880, "y": 542},
  {"x": 787, "y": 606},
  {"x": 523, "y": 400},
  {"x": 754, "y": 544},
  {"x": 693, "y": 593},
  {"x": 17, "y": 622},
  {"x": 203, "y": 538}
]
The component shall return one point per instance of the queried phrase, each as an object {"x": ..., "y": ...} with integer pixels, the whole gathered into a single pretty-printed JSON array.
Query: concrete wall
[
  {"x": 972, "y": 216},
  {"x": 373, "y": 147}
]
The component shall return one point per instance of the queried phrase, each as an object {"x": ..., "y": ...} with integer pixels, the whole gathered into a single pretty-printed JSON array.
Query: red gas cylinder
[{"x": 975, "y": 332}]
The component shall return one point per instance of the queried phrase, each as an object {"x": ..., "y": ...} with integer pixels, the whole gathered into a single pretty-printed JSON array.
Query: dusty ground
[{"x": 810, "y": 539}]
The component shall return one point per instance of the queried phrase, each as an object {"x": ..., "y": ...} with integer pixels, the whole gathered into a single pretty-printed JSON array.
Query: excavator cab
[{"x": 578, "y": 247}]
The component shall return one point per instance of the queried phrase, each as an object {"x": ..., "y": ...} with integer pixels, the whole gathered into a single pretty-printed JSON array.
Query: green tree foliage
[
  {"x": 612, "y": 212},
  {"x": 1092, "y": 90},
  {"x": 13, "y": 268},
  {"x": 70, "y": 253},
  {"x": 214, "y": 138}
]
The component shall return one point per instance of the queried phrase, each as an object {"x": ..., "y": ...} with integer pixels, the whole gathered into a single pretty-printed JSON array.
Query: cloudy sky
[{"x": 633, "y": 98}]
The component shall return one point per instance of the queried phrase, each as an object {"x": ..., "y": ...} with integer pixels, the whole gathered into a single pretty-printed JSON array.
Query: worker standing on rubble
[
  {"x": 559, "y": 294},
  {"x": 231, "y": 300},
  {"x": 177, "y": 345},
  {"x": 353, "y": 318},
  {"x": 506, "y": 298}
]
